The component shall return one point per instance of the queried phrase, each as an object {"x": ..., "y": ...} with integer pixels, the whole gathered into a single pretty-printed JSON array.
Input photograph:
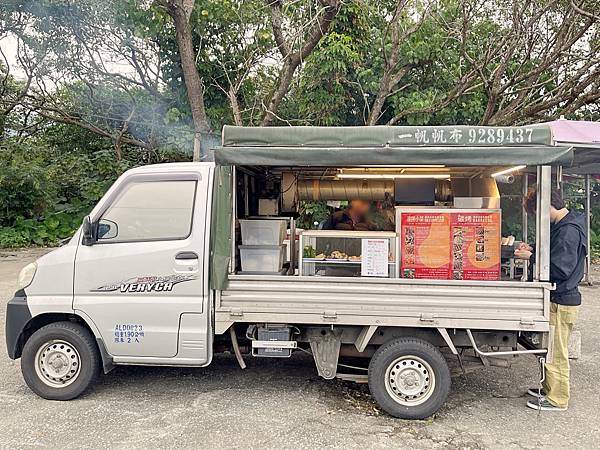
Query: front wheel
[
  {"x": 60, "y": 361},
  {"x": 409, "y": 378}
]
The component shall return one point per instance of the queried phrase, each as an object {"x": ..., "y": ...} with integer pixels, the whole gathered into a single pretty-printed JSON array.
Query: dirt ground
[{"x": 276, "y": 404}]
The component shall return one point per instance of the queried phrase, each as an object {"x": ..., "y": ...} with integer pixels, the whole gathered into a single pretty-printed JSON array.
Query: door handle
[{"x": 186, "y": 255}]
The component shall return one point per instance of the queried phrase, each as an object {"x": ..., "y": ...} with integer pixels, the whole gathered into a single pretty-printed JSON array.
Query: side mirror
[
  {"x": 107, "y": 229},
  {"x": 89, "y": 235}
]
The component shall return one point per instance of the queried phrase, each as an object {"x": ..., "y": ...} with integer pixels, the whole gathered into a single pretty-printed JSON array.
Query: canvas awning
[
  {"x": 390, "y": 145},
  {"x": 584, "y": 137},
  {"x": 577, "y": 132}
]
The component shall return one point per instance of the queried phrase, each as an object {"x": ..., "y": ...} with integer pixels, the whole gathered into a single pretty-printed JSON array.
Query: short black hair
[{"x": 530, "y": 200}]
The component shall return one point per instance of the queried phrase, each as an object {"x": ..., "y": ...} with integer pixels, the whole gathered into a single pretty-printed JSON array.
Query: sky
[{"x": 8, "y": 44}]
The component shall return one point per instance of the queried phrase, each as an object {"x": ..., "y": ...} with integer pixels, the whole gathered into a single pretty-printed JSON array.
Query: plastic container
[
  {"x": 262, "y": 232},
  {"x": 262, "y": 258}
]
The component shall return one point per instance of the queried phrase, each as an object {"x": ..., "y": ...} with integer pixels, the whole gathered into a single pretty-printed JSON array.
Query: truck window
[{"x": 150, "y": 211}]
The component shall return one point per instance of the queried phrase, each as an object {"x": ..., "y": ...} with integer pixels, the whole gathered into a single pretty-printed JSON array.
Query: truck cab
[{"x": 133, "y": 282}]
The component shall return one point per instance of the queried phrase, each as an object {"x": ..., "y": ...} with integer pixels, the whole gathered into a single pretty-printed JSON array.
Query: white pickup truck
[{"x": 151, "y": 279}]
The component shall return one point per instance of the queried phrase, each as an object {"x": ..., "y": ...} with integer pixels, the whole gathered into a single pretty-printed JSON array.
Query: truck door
[{"x": 144, "y": 277}]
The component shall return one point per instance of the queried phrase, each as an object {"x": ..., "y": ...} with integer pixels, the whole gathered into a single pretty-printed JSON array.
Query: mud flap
[{"x": 326, "y": 351}]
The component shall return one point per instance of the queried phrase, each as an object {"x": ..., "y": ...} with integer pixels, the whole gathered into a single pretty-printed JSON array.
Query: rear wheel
[
  {"x": 409, "y": 378},
  {"x": 60, "y": 361}
]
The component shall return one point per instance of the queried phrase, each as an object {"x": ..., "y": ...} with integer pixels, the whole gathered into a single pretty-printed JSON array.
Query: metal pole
[
  {"x": 543, "y": 223},
  {"x": 233, "y": 216},
  {"x": 246, "y": 196},
  {"x": 525, "y": 224},
  {"x": 293, "y": 252},
  {"x": 503, "y": 353},
  {"x": 588, "y": 229},
  {"x": 559, "y": 179},
  {"x": 536, "y": 268}
]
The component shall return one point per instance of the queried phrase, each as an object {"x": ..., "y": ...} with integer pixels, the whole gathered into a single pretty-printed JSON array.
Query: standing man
[{"x": 568, "y": 249}]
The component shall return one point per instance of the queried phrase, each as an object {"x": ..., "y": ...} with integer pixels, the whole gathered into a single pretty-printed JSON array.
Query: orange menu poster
[{"x": 450, "y": 244}]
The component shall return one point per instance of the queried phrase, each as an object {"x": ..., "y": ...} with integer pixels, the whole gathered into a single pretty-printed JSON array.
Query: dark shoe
[
  {"x": 543, "y": 404},
  {"x": 536, "y": 392}
]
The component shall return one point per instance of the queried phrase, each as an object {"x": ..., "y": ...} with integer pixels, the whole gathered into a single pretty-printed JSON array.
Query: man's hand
[
  {"x": 522, "y": 253},
  {"x": 525, "y": 246}
]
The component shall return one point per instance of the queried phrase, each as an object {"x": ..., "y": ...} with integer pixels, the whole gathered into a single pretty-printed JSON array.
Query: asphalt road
[{"x": 283, "y": 404}]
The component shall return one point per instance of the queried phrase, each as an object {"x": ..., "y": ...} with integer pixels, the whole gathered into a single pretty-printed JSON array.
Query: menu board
[
  {"x": 374, "y": 258},
  {"x": 476, "y": 238},
  {"x": 450, "y": 244}
]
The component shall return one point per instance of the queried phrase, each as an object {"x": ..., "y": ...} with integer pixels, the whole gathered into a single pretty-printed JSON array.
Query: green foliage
[
  {"x": 46, "y": 231},
  {"x": 595, "y": 245},
  {"x": 338, "y": 59},
  {"x": 23, "y": 190},
  {"x": 49, "y": 183},
  {"x": 327, "y": 103},
  {"x": 231, "y": 39},
  {"x": 574, "y": 195},
  {"x": 312, "y": 213}
]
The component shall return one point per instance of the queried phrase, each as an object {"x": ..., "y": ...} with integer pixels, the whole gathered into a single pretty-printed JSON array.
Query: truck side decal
[
  {"x": 128, "y": 333},
  {"x": 152, "y": 283}
]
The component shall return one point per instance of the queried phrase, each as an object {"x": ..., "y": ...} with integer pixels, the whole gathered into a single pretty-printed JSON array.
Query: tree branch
[
  {"x": 292, "y": 59},
  {"x": 181, "y": 11}
]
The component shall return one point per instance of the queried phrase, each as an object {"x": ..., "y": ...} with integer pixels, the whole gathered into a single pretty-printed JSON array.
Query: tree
[
  {"x": 478, "y": 62},
  {"x": 85, "y": 66},
  {"x": 308, "y": 22},
  {"x": 340, "y": 59},
  {"x": 200, "y": 64},
  {"x": 533, "y": 75},
  {"x": 531, "y": 60},
  {"x": 296, "y": 48},
  {"x": 181, "y": 11}
]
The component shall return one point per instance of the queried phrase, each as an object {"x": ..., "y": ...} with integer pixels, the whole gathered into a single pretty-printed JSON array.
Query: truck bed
[{"x": 481, "y": 305}]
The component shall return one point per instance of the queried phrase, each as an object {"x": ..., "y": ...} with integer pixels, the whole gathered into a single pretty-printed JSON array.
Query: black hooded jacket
[{"x": 568, "y": 249}]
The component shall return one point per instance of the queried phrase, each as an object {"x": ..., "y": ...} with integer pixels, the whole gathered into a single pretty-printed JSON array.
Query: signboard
[
  {"x": 374, "y": 254},
  {"x": 459, "y": 135},
  {"x": 471, "y": 136},
  {"x": 450, "y": 244},
  {"x": 476, "y": 239}
]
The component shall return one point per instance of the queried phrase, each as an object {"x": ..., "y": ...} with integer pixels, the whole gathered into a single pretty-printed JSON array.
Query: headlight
[{"x": 26, "y": 275}]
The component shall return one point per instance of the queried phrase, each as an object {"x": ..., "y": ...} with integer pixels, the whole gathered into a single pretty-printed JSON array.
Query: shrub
[{"x": 49, "y": 183}]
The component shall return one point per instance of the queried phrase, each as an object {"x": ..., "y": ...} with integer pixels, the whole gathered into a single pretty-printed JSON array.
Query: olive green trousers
[{"x": 556, "y": 384}]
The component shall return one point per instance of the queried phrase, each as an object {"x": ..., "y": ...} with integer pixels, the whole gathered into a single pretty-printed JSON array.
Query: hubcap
[
  {"x": 409, "y": 380},
  {"x": 57, "y": 363}
]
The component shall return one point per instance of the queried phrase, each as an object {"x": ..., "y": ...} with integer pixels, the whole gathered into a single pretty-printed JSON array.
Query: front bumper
[{"x": 17, "y": 316}]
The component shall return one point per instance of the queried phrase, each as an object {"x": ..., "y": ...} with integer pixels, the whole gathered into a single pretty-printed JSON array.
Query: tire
[
  {"x": 60, "y": 361},
  {"x": 409, "y": 378}
]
